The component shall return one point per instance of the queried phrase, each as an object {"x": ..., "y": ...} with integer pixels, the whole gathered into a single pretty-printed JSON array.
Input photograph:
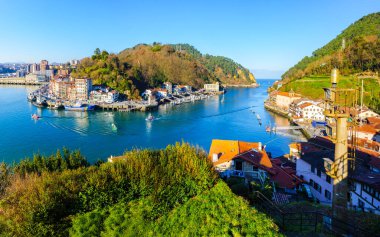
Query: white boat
[
  {"x": 150, "y": 118},
  {"x": 258, "y": 117},
  {"x": 35, "y": 116},
  {"x": 114, "y": 127}
]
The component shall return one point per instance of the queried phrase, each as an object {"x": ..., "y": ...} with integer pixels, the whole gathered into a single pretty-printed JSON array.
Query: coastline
[
  {"x": 284, "y": 114},
  {"x": 253, "y": 85}
]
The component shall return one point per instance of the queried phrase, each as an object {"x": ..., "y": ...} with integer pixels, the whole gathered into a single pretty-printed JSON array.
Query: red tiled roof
[
  {"x": 366, "y": 128},
  {"x": 373, "y": 120},
  {"x": 304, "y": 105}
]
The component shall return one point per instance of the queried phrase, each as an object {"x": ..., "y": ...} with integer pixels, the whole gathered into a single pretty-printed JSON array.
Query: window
[
  {"x": 328, "y": 179},
  {"x": 317, "y": 187},
  {"x": 328, "y": 194},
  {"x": 311, "y": 183},
  {"x": 239, "y": 165},
  {"x": 312, "y": 169},
  {"x": 319, "y": 172},
  {"x": 361, "y": 203}
]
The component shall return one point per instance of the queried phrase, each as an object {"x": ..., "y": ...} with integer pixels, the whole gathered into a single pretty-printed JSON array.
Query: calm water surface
[{"x": 91, "y": 132}]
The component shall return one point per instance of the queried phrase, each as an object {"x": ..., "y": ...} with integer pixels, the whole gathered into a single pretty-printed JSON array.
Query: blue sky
[{"x": 267, "y": 36}]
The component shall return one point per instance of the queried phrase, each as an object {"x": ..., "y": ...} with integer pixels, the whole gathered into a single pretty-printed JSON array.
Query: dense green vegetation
[
  {"x": 143, "y": 66},
  {"x": 173, "y": 191},
  {"x": 312, "y": 87},
  {"x": 355, "y": 50}
]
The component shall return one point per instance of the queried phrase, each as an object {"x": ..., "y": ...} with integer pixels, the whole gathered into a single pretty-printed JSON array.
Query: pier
[
  {"x": 126, "y": 106},
  {"x": 19, "y": 81}
]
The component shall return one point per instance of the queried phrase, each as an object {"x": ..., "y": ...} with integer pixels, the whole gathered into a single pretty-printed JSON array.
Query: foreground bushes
[{"x": 134, "y": 196}]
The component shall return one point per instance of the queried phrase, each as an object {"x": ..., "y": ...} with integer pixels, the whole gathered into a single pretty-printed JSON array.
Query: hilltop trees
[
  {"x": 356, "y": 49},
  {"x": 145, "y": 66}
]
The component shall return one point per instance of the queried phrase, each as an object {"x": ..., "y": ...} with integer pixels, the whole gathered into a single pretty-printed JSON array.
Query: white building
[
  {"x": 365, "y": 192},
  {"x": 83, "y": 87},
  {"x": 366, "y": 113},
  {"x": 212, "y": 87},
  {"x": 161, "y": 93},
  {"x": 311, "y": 111},
  {"x": 310, "y": 167},
  {"x": 35, "y": 78},
  {"x": 104, "y": 96}
]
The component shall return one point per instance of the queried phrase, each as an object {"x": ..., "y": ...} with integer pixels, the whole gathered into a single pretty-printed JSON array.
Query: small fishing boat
[
  {"x": 150, "y": 118},
  {"x": 31, "y": 97},
  {"x": 39, "y": 102},
  {"x": 35, "y": 116},
  {"x": 113, "y": 126},
  {"x": 258, "y": 117},
  {"x": 267, "y": 129},
  {"x": 79, "y": 107}
]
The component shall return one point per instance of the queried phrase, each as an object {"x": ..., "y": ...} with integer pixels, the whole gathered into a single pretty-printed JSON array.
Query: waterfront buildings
[
  {"x": 31, "y": 78},
  {"x": 311, "y": 111},
  {"x": 168, "y": 86},
  {"x": 102, "y": 94},
  {"x": 71, "y": 89},
  {"x": 83, "y": 87},
  {"x": 212, "y": 87}
]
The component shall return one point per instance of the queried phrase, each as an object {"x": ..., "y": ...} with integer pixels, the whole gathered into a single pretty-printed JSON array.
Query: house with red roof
[{"x": 251, "y": 161}]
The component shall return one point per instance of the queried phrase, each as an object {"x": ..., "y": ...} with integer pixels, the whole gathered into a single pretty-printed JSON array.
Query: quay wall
[
  {"x": 19, "y": 81},
  {"x": 285, "y": 114}
]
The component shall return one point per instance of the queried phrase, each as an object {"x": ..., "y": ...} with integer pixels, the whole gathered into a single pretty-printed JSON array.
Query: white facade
[
  {"x": 212, "y": 87},
  {"x": 362, "y": 199},
  {"x": 104, "y": 96},
  {"x": 313, "y": 112},
  {"x": 321, "y": 185},
  {"x": 366, "y": 114},
  {"x": 35, "y": 78}
]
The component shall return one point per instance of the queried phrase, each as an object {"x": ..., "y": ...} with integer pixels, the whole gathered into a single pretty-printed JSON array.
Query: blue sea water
[{"x": 91, "y": 132}]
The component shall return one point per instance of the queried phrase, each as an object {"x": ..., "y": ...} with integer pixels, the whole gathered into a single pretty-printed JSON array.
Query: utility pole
[{"x": 339, "y": 168}]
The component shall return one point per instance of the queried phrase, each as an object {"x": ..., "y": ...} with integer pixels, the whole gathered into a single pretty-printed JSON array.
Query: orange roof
[
  {"x": 304, "y": 105},
  {"x": 287, "y": 94},
  {"x": 294, "y": 145},
  {"x": 373, "y": 120},
  {"x": 229, "y": 149},
  {"x": 366, "y": 129}
]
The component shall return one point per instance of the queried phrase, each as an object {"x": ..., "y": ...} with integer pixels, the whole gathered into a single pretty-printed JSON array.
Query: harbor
[
  {"x": 42, "y": 99},
  {"x": 223, "y": 117}
]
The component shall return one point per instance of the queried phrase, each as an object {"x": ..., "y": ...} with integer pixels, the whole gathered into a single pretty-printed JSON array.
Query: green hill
[
  {"x": 143, "y": 66},
  {"x": 356, "y": 49},
  {"x": 169, "y": 192}
]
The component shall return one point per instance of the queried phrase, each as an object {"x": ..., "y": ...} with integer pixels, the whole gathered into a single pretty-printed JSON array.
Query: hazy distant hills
[
  {"x": 356, "y": 49},
  {"x": 143, "y": 66}
]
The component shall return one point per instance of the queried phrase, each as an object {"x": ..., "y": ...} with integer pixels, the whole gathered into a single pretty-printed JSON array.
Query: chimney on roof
[
  {"x": 260, "y": 147},
  {"x": 215, "y": 157}
]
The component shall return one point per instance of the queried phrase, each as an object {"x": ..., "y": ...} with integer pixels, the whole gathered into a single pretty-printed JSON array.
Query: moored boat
[
  {"x": 150, "y": 118},
  {"x": 79, "y": 107},
  {"x": 35, "y": 116}
]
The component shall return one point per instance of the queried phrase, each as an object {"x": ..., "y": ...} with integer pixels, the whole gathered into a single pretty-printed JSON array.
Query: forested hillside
[
  {"x": 356, "y": 49},
  {"x": 143, "y": 66},
  {"x": 166, "y": 192}
]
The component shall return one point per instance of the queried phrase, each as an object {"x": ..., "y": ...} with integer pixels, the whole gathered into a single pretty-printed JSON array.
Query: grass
[{"x": 312, "y": 86}]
